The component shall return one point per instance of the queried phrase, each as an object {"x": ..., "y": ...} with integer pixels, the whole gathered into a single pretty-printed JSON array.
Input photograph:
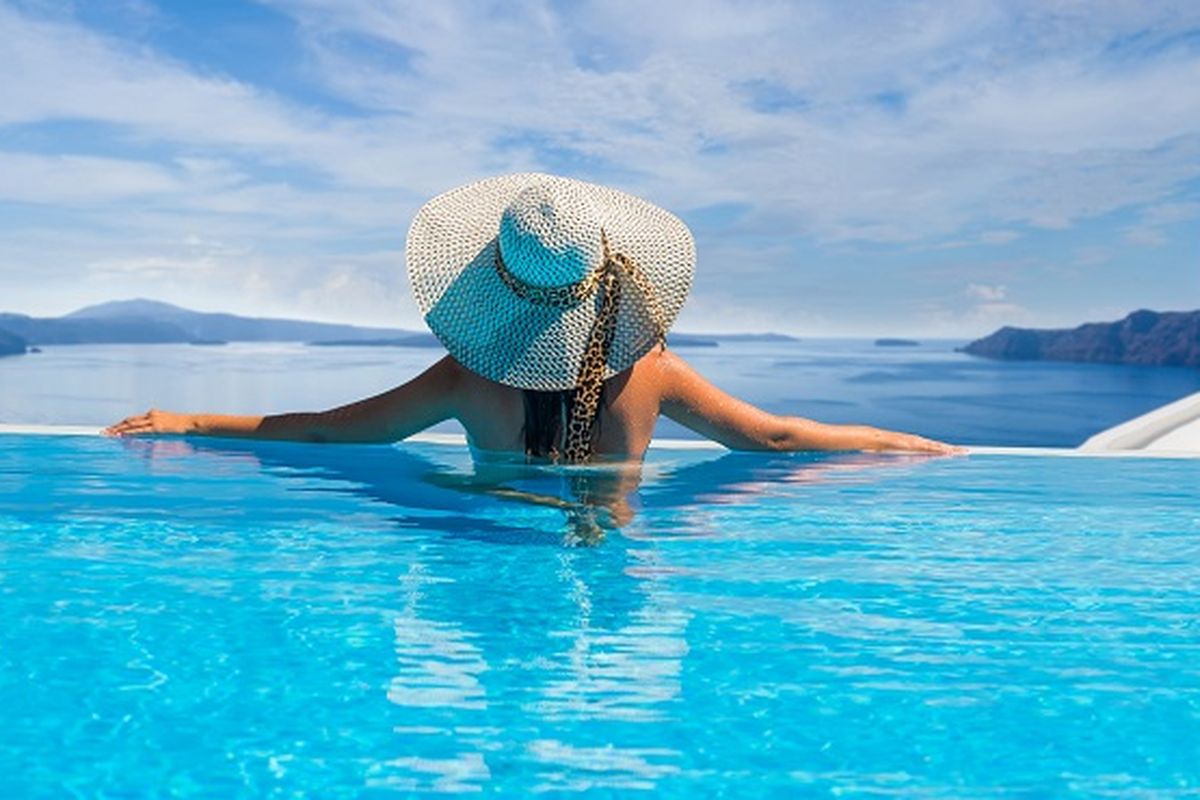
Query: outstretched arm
[
  {"x": 692, "y": 401},
  {"x": 426, "y": 400}
]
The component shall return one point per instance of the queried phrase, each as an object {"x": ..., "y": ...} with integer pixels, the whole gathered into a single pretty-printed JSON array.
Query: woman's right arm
[
  {"x": 692, "y": 401},
  {"x": 426, "y": 400}
]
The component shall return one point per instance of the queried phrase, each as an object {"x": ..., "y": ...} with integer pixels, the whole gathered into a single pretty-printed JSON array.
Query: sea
[{"x": 930, "y": 389}]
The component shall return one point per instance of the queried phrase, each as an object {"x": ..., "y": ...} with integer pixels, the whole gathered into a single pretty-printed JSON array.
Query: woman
[{"x": 553, "y": 297}]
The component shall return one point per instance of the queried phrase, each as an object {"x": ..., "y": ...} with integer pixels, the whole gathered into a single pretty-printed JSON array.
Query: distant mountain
[
  {"x": 149, "y": 321},
  {"x": 1143, "y": 337},
  {"x": 409, "y": 340},
  {"x": 750, "y": 337},
  {"x": 37, "y": 330},
  {"x": 691, "y": 340},
  {"x": 11, "y": 344},
  {"x": 142, "y": 321},
  {"x": 139, "y": 307},
  {"x": 886, "y": 342}
]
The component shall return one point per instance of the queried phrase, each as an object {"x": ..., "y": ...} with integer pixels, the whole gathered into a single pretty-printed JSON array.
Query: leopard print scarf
[{"x": 577, "y": 445}]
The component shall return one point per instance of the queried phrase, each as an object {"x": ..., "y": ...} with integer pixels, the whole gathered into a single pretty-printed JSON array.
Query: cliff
[
  {"x": 1143, "y": 337},
  {"x": 11, "y": 344}
]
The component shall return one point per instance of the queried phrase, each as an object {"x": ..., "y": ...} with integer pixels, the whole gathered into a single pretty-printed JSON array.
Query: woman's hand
[
  {"x": 911, "y": 443},
  {"x": 153, "y": 423}
]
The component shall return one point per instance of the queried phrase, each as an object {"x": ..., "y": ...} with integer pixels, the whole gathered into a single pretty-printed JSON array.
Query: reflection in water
[
  {"x": 594, "y": 500},
  {"x": 569, "y": 640},
  {"x": 548, "y": 639},
  {"x": 545, "y": 643},
  {"x": 421, "y": 642},
  {"x": 439, "y": 669},
  {"x": 579, "y": 769},
  {"x": 743, "y": 478}
]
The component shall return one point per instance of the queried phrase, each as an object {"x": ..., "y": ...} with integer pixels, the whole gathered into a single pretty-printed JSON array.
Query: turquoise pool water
[{"x": 220, "y": 619}]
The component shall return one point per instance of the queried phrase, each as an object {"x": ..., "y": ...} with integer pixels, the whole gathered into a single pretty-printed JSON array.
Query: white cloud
[
  {"x": 1145, "y": 235},
  {"x": 370, "y": 287},
  {"x": 1092, "y": 256},
  {"x": 69, "y": 179},
  {"x": 999, "y": 237},
  {"x": 151, "y": 267},
  {"x": 919, "y": 124},
  {"x": 1153, "y": 219},
  {"x": 987, "y": 314},
  {"x": 1171, "y": 213},
  {"x": 993, "y": 129},
  {"x": 986, "y": 293},
  {"x": 939, "y": 319}
]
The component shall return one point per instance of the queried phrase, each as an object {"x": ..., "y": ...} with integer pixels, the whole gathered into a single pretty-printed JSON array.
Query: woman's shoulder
[
  {"x": 660, "y": 363},
  {"x": 663, "y": 368},
  {"x": 461, "y": 378},
  {"x": 652, "y": 379}
]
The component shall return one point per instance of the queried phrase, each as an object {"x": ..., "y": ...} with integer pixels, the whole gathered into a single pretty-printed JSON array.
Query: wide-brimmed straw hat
[{"x": 543, "y": 282}]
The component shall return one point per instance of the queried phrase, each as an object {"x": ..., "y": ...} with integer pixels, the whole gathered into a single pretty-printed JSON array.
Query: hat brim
[{"x": 450, "y": 253}]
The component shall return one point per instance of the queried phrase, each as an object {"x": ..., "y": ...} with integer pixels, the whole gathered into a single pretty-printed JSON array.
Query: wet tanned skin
[{"x": 493, "y": 416}]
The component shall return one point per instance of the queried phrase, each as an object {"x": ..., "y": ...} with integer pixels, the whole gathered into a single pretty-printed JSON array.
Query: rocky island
[{"x": 1152, "y": 338}]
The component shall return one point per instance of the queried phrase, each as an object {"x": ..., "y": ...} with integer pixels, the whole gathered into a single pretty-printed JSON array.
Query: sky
[{"x": 848, "y": 169}]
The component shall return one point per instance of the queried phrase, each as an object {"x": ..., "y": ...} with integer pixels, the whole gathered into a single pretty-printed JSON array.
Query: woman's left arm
[
  {"x": 396, "y": 414},
  {"x": 692, "y": 401}
]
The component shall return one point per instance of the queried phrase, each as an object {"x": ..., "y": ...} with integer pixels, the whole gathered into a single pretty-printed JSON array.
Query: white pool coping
[
  {"x": 1174, "y": 427},
  {"x": 1076, "y": 452},
  {"x": 683, "y": 444},
  {"x": 51, "y": 430}
]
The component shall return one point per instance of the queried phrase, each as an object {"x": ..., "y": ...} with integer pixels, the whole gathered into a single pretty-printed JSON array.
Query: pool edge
[
  {"x": 456, "y": 439},
  {"x": 459, "y": 440}
]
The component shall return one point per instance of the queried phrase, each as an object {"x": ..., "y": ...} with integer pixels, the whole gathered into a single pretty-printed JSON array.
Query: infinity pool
[{"x": 220, "y": 619}]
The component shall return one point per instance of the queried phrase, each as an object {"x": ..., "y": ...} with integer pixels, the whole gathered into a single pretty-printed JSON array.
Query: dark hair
[{"x": 546, "y": 415}]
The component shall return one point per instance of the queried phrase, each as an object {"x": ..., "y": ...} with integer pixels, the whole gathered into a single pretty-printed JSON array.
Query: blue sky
[{"x": 931, "y": 169}]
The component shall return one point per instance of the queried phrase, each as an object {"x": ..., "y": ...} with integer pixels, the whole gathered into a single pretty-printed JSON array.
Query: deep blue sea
[{"x": 930, "y": 389}]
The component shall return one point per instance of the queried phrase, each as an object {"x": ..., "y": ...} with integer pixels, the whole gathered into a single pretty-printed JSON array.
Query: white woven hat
[{"x": 506, "y": 272}]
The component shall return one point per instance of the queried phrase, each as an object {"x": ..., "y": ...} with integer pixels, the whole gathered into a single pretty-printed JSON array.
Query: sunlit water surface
[{"x": 221, "y": 619}]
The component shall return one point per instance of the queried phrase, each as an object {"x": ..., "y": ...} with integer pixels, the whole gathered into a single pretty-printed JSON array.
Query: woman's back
[
  {"x": 494, "y": 414},
  {"x": 662, "y": 382}
]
